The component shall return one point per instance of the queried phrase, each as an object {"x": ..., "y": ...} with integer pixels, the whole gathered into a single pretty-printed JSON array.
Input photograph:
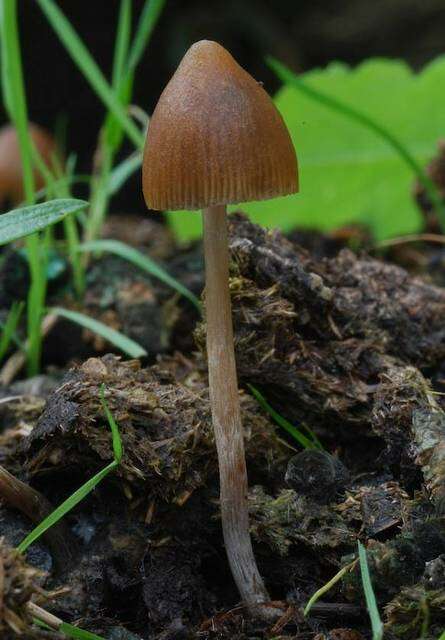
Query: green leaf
[
  {"x": 19, "y": 223},
  {"x": 143, "y": 262},
  {"x": 128, "y": 346},
  {"x": 371, "y": 603},
  {"x": 348, "y": 173}
]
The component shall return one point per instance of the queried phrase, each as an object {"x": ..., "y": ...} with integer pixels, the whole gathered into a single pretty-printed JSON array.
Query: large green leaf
[
  {"x": 348, "y": 173},
  {"x": 19, "y": 223}
]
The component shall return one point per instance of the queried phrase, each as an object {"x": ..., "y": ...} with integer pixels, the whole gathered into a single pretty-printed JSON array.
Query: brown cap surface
[
  {"x": 215, "y": 137},
  {"x": 11, "y": 172}
]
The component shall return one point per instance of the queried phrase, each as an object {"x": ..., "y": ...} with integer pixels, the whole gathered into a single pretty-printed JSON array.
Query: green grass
[
  {"x": 89, "y": 68},
  {"x": 306, "y": 442},
  {"x": 327, "y": 586},
  {"x": 115, "y": 95},
  {"x": 122, "y": 171},
  {"x": 143, "y": 262},
  {"x": 125, "y": 344},
  {"x": 70, "y": 631},
  {"x": 148, "y": 20},
  {"x": 25, "y": 221},
  {"x": 61, "y": 189},
  {"x": 15, "y": 101},
  {"x": 84, "y": 490},
  {"x": 78, "y": 634},
  {"x": 8, "y": 328},
  {"x": 371, "y": 602},
  {"x": 110, "y": 136}
]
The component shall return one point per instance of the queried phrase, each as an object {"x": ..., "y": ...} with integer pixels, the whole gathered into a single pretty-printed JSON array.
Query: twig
[
  {"x": 2, "y": 584},
  {"x": 44, "y": 616},
  {"x": 417, "y": 237},
  {"x": 14, "y": 364},
  {"x": 336, "y": 610},
  {"x": 36, "y": 507}
]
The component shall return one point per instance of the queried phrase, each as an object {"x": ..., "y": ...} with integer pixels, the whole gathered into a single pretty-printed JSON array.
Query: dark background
[{"x": 302, "y": 33}]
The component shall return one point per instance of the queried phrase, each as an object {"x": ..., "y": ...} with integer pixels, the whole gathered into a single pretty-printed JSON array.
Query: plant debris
[
  {"x": 19, "y": 584},
  {"x": 347, "y": 345}
]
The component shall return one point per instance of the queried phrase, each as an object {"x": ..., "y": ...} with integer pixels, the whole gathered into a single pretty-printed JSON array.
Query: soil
[{"x": 349, "y": 343}]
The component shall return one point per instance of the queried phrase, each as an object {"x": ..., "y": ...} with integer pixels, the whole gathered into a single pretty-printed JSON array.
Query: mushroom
[
  {"x": 11, "y": 172},
  {"x": 216, "y": 138}
]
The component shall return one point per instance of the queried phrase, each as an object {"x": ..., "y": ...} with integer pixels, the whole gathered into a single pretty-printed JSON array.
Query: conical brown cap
[{"x": 215, "y": 137}]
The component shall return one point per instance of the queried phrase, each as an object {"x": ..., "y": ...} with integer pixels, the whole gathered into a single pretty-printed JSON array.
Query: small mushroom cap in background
[
  {"x": 317, "y": 475},
  {"x": 11, "y": 172},
  {"x": 215, "y": 137}
]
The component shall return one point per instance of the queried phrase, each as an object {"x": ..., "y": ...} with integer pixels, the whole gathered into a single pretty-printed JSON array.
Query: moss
[
  {"x": 416, "y": 611},
  {"x": 290, "y": 519}
]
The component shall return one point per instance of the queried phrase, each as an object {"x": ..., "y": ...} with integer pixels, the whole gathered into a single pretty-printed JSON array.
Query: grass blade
[
  {"x": 111, "y": 132},
  {"x": 122, "y": 172},
  {"x": 83, "y": 491},
  {"x": 126, "y": 345},
  {"x": 14, "y": 92},
  {"x": 371, "y": 603},
  {"x": 303, "y": 440},
  {"x": 65, "y": 507},
  {"x": 122, "y": 41},
  {"x": 64, "y": 182},
  {"x": 147, "y": 22},
  {"x": 121, "y": 83},
  {"x": 19, "y": 223},
  {"x": 288, "y": 77},
  {"x": 9, "y": 327},
  {"x": 326, "y": 587},
  {"x": 143, "y": 262},
  {"x": 77, "y": 634},
  {"x": 58, "y": 625},
  {"x": 117, "y": 442},
  {"x": 89, "y": 68}
]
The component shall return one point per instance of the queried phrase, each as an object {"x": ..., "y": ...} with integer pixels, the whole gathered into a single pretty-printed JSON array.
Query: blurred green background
[{"x": 303, "y": 35}]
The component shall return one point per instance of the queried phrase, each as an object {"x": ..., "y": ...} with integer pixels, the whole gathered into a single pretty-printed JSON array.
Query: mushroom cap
[
  {"x": 215, "y": 137},
  {"x": 11, "y": 171}
]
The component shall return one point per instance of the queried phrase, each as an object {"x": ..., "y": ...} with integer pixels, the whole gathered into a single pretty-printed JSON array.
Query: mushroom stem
[{"x": 226, "y": 414}]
